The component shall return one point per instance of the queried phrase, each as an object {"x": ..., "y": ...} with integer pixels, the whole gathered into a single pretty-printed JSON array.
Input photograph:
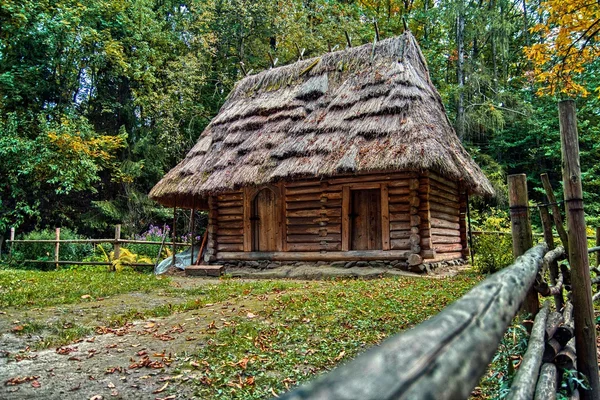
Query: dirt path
[{"x": 132, "y": 362}]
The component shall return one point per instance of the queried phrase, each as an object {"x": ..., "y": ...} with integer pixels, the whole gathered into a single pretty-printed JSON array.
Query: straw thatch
[{"x": 365, "y": 109}]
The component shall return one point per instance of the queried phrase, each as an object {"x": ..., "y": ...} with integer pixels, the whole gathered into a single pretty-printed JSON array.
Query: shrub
[
  {"x": 493, "y": 251},
  {"x": 45, "y": 251}
]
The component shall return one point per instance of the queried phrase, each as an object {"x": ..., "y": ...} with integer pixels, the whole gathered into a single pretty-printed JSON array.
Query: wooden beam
[
  {"x": 352, "y": 255},
  {"x": 247, "y": 222},
  {"x": 345, "y": 218},
  {"x": 521, "y": 230},
  {"x": 385, "y": 218},
  {"x": 583, "y": 310}
]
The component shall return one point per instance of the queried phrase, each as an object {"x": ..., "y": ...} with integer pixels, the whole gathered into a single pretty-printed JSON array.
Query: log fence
[{"x": 116, "y": 242}]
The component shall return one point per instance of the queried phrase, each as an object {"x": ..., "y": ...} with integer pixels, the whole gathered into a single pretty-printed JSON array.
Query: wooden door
[
  {"x": 265, "y": 221},
  {"x": 365, "y": 220}
]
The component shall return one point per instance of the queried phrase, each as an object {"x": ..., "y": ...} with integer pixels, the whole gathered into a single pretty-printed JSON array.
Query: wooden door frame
[
  {"x": 249, "y": 195},
  {"x": 385, "y": 213}
]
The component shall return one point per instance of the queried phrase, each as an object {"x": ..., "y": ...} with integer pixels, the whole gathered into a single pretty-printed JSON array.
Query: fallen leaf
[
  {"x": 162, "y": 389},
  {"x": 36, "y": 384},
  {"x": 110, "y": 385},
  {"x": 250, "y": 315},
  {"x": 97, "y": 397},
  {"x": 86, "y": 296},
  {"x": 340, "y": 356},
  {"x": 18, "y": 328}
]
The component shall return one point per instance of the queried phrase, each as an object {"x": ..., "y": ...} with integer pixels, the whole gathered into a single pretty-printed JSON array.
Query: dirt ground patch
[{"x": 141, "y": 359}]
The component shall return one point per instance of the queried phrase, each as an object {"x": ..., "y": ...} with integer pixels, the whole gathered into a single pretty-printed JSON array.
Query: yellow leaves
[
  {"x": 568, "y": 45},
  {"x": 73, "y": 146}
]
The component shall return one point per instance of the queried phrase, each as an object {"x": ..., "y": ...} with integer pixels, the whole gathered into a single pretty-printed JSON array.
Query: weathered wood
[
  {"x": 521, "y": 229},
  {"x": 399, "y": 226},
  {"x": 442, "y": 195},
  {"x": 445, "y": 225},
  {"x": 230, "y": 246},
  {"x": 441, "y": 180},
  {"x": 400, "y": 234},
  {"x": 399, "y": 217},
  {"x": 564, "y": 332},
  {"x": 598, "y": 245},
  {"x": 566, "y": 359},
  {"x": 551, "y": 263},
  {"x": 447, "y": 248},
  {"x": 266, "y": 225},
  {"x": 231, "y": 211},
  {"x": 558, "y": 221},
  {"x": 317, "y": 220},
  {"x": 444, "y": 232},
  {"x": 585, "y": 326},
  {"x": 399, "y": 193},
  {"x": 555, "y": 319},
  {"x": 447, "y": 209},
  {"x": 304, "y": 205},
  {"x": 247, "y": 222},
  {"x": 304, "y": 229},
  {"x": 414, "y": 259},
  {"x": 385, "y": 218},
  {"x": 547, "y": 383},
  {"x": 435, "y": 239},
  {"x": 409, "y": 366},
  {"x": 230, "y": 224},
  {"x": 447, "y": 256},
  {"x": 231, "y": 239},
  {"x": 230, "y": 204},
  {"x": 304, "y": 247},
  {"x": 314, "y": 238},
  {"x": 314, "y": 196},
  {"x": 230, "y": 232},
  {"x": 225, "y": 218},
  {"x": 523, "y": 385},
  {"x": 415, "y": 220},
  {"x": 444, "y": 216},
  {"x": 57, "y": 245},
  {"x": 230, "y": 197},
  {"x": 370, "y": 255},
  {"x": 330, "y": 212},
  {"x": 399, "y": 208},
  {"x": 551, "y": 349}
]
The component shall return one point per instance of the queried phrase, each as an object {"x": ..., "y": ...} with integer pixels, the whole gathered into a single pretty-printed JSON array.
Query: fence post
[
  {"x": 192, "y": 229},
  {"x": 598, "y": 244},
  {"x": 57, "y": 248},
  {"x": 117, "y": 243},
  {"x": 549, "y": 239},
  {"x": 174, "y": 231},
  {"x": 583, "y": 310},
  {"x": 558, "y": 221},
  {"x": 12, "y": 238},
  {"x": 521, "y": 230}
]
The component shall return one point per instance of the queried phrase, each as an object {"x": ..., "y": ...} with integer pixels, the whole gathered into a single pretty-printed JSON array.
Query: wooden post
[
  {"x": 174, "y": 224},
  {"x": 549, "y": 239},
  {"x": 558, "y": 221},
  {"x": 12, "y": 238},
  {"x": 521, "y": 230},
  {"x": 117, "y": 243},
  {"x": 583, "y": 310},
  {"x": 192, "y": 229},
  {"x": 598, "y": 244},
  {"x": 57, "y": 248}
]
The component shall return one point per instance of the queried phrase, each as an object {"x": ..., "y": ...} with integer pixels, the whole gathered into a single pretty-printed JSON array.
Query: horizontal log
[
  {"x": 317, "y": 220},
  {"x": 399, "y": 226},
  {"x": 313, "y": 196},
  {"x": 403, "y": 191},
  {"x": 388, "y": 177},
  {"x": 314, "y": 238},
  {"x": 428, "y": 254},
  {"x": 447, "y": 248},
  {"x": 230, "y": 196},
  {"x": 447, "y": 256},
  {"x": 453, "y": 211},
  {"x": 329, "y": 212},
  {"x": 523, "y": 385},
  {"x": 303, "y": 190},
  {"x": 230, "y": 232},
  {"x": 399, "y": 217},
  {"x": 444, "y": 216},
  {"x": 438, "y": 193},
  {"x": 393, "y": 199},
  {"x": 230, "y": 224},
  {"x": 299, "y": 205},
  {"x": 435, "y": 239},
  {"x": 400, "y": 244},
  {"x": 435, "y": 231},
  {"x": 230, "y": 211},
  {"x": 438, "y": 179},
  {"x": 305, "y": 229},
  {"x": 230, "y": 218},
  {"x": 230, "y": 239},
  {"x": 547, "y": 383},
  {"x": 400, "y": 234},
  {"x": 304, "y": 246},
  {"x": 230, "y": 247},
  {"x": 399, "y": 208},
  {"x": 226, "y": 204},
  {"x": 444, "y": 202},
  {"x": 353, "y": 255},
  {"x": 435, "y": 358}
]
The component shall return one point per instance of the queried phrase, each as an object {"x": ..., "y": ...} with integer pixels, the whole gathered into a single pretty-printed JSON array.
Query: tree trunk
[{"x": 460, "y": 73}]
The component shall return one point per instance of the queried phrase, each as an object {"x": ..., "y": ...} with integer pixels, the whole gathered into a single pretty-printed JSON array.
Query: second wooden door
[
  {"x": 365, "y": 227},
  {"x": 265, "y": 221}
]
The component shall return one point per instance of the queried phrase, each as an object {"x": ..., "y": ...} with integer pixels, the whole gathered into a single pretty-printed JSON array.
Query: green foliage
[
  {"x": 45, "y": 251},
  {"x": 571, "y": 380},
  {"x": 493, "y": 251}
]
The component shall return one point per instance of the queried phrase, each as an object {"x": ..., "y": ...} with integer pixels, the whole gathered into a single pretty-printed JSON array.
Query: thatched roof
[{"x": 365, "y": 109}]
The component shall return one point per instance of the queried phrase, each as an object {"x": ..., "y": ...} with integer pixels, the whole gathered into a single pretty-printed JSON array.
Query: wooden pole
[
  {"x": 549, "y": 238},
  {"x": 174, "y": 223},
  {"x": 349, "y": 42},
  {"x": 12, "y": 243},
  {"x": 57, "y": 248},
  {"x": 598, "y": 244},
  {"x": 117, "y": 243},
  {"x": 558, "y": 221},
  {"x": 193, "y": 229},
  {"x": 376, "y": 31},
  {"x": 583, "y": 310},
  {"x": 521, "y": 230}
]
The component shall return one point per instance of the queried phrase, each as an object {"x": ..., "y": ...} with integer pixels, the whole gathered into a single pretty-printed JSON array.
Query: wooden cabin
[{"x": 347, "y": 156}]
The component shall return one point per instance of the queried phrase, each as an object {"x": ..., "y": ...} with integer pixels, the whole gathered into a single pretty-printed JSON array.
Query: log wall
[
  {"x": 445, "y": 212},
  {"x": 420, "y": 214}
]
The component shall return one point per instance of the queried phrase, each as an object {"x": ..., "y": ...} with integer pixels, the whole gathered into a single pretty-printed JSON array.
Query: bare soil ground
[{"x": 143, "y": 359}]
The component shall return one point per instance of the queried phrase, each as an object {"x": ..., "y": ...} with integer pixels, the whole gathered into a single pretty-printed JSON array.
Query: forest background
[{"x": 99, "y": 98}]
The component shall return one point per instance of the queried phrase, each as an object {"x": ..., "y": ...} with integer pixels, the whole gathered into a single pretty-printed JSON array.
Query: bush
[
  {"x": 493, "y": 251},
  {"x": 45, "y": 251},
  {"x": 154, "y": 234}
]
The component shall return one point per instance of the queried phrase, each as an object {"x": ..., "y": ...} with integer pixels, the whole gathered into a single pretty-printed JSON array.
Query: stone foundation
[{"x": 385, "y": 264}]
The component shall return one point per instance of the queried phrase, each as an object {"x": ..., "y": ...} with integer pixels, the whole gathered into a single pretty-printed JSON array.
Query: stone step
[{"x": 204, "y": 270}]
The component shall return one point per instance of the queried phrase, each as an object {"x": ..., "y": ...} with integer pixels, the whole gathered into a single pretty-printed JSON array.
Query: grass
[
  {"x": 313, "y": 328},
  {"x": 31, "y": 288}
]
